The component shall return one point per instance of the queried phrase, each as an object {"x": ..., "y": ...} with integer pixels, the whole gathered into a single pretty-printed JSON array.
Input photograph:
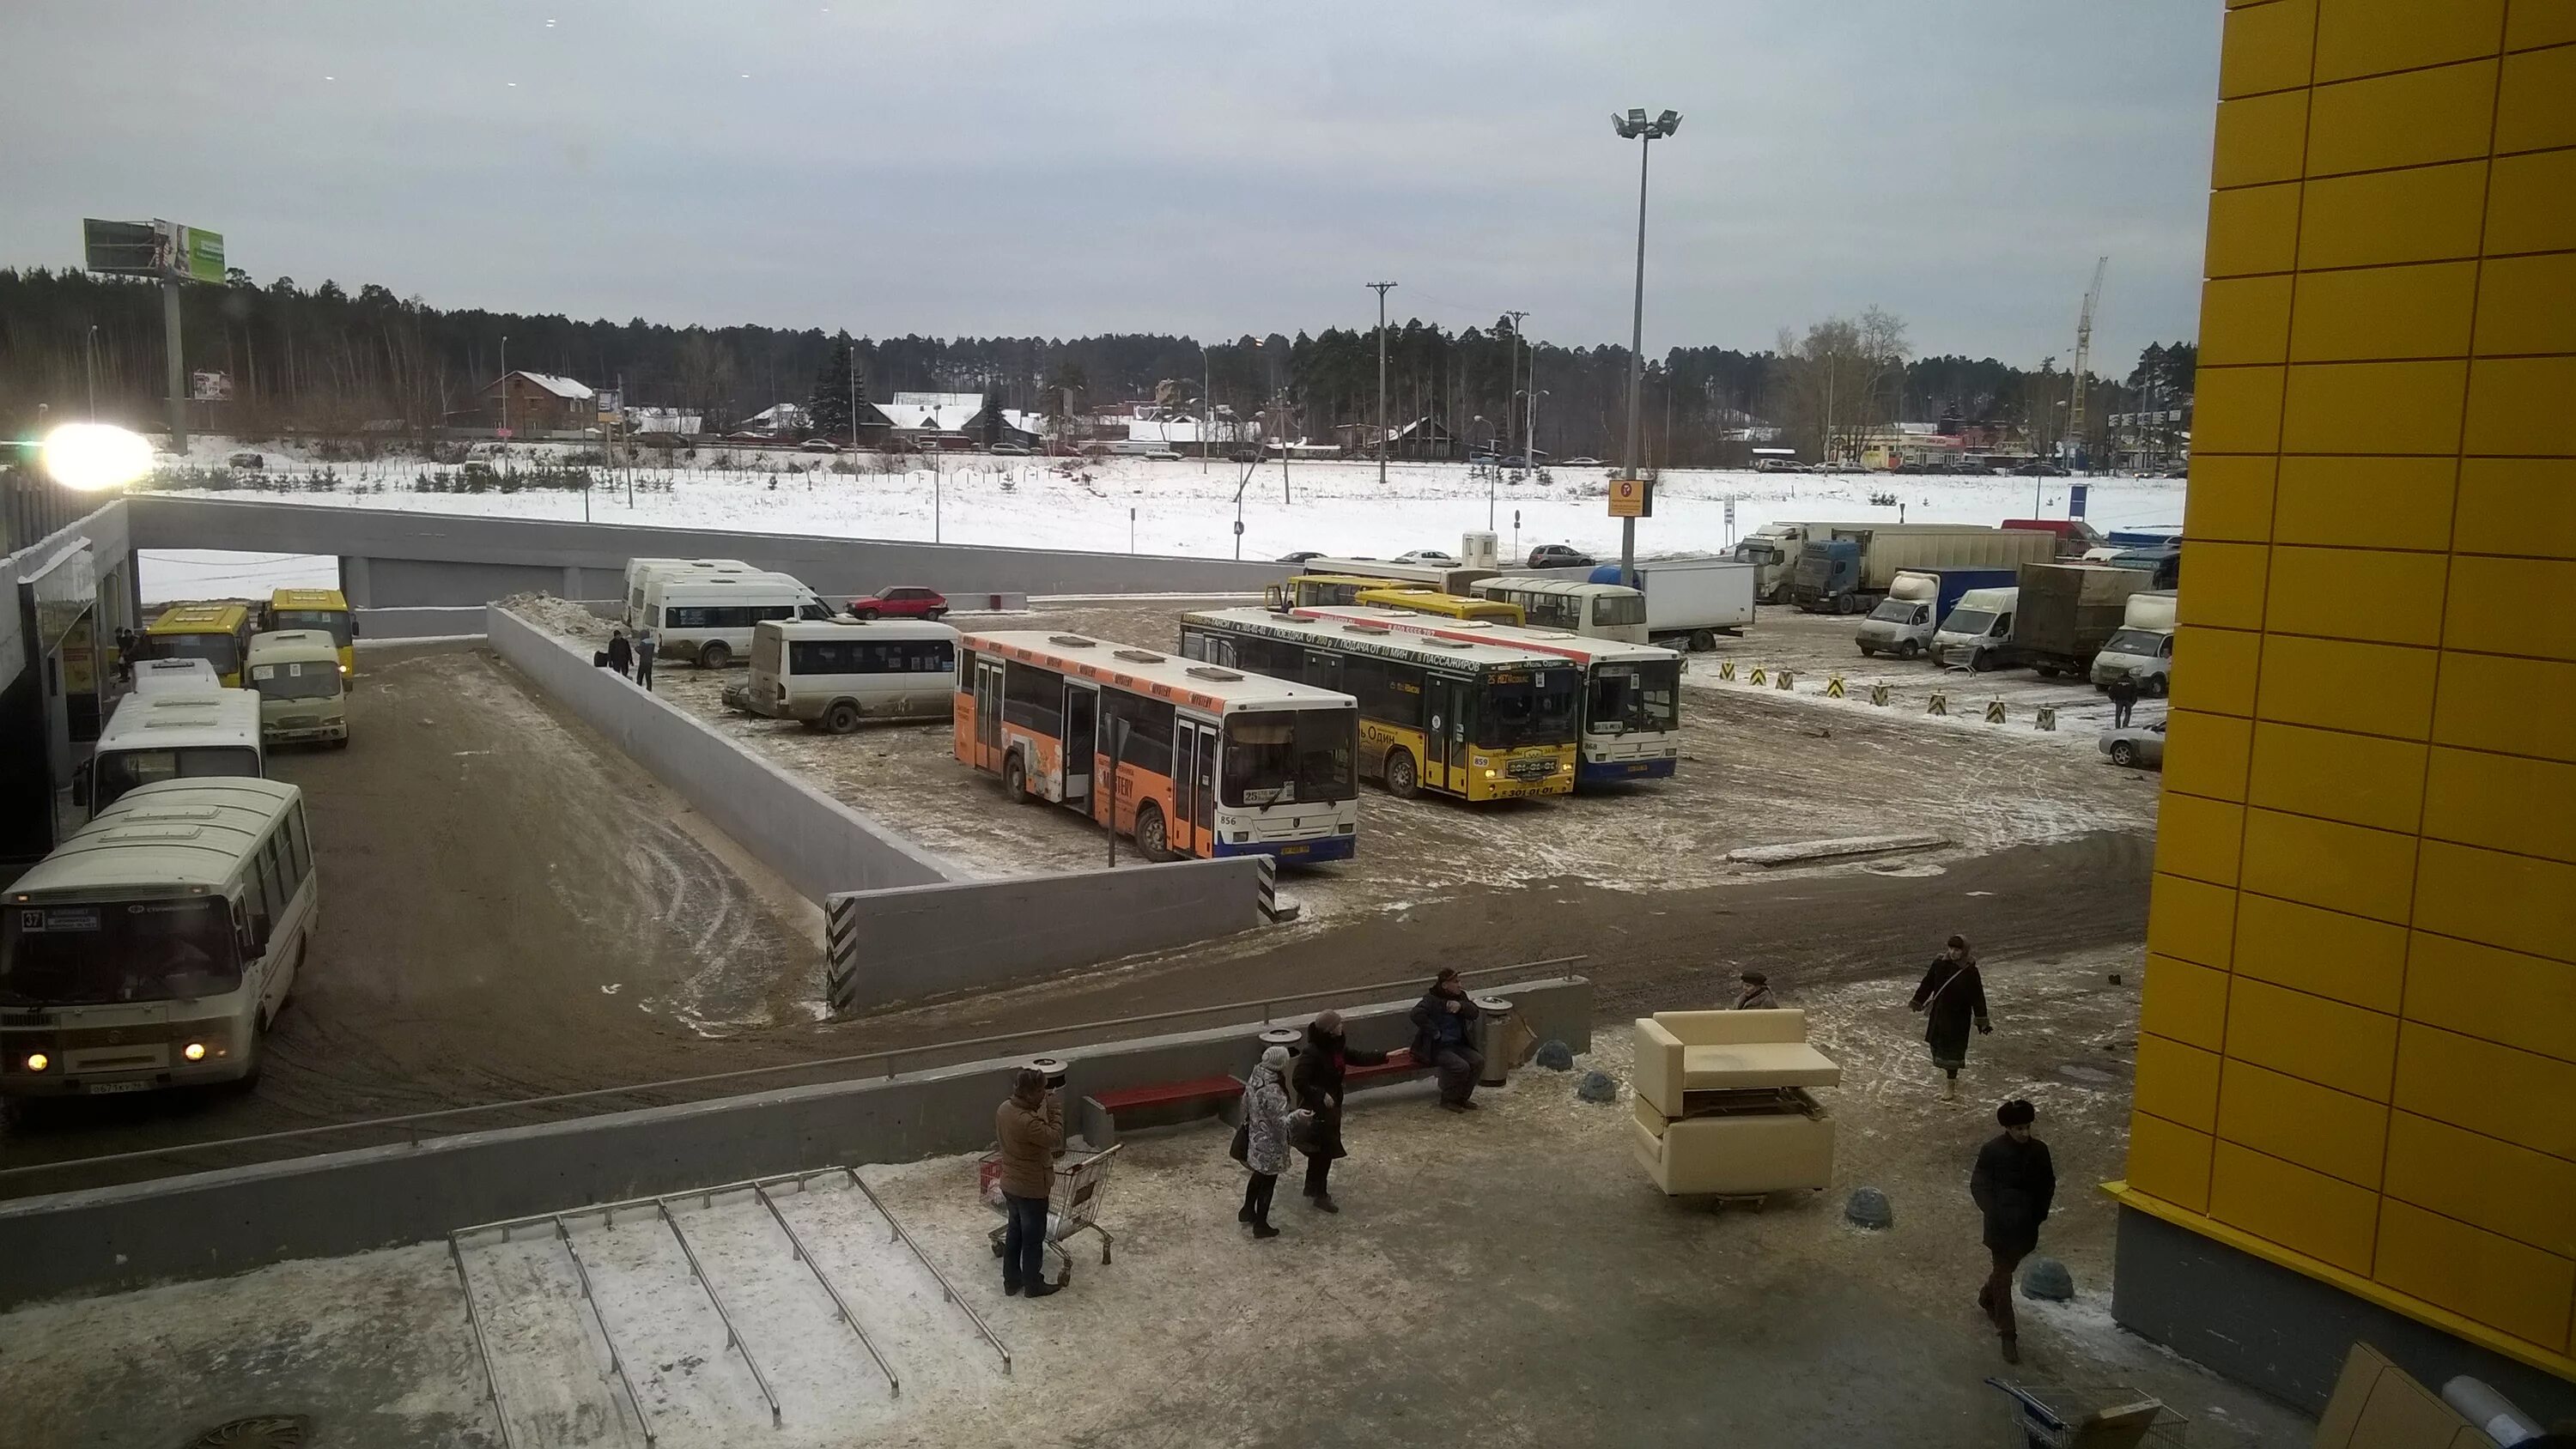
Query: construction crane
[{"x": 2083, "y": 358}]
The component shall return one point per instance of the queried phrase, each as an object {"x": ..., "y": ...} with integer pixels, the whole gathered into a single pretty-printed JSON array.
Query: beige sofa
[{"x": 1722, "y": 1103}]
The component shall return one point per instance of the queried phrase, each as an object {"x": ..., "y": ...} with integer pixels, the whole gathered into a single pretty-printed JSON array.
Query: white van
[
  {"x": 1978, "y": 630},
  {"x": 833, "y": 673},
  {"x": 640, "y": 571},
  {"x": 709, "y": 618},
  {"x": 175, "y": 676},
  {"x": 302, "y": 693},
  {"x": 155, "y": 737}
]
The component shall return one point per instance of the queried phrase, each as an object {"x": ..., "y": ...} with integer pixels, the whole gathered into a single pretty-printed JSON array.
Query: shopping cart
[
  {"x": 1073, "y": 1203},
  {"x": 2090, "y": 1416}
]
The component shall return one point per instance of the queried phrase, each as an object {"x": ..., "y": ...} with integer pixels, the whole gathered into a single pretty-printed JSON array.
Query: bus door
[
  {"x": 988, "y": 713},
  {"x": 1081, "y": 741},
  {"x": 1193, "y": 787},
  {"x": 1444, "y": 708}
]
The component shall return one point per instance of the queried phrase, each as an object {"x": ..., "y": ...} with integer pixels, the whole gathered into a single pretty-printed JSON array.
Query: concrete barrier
[
  {"x": 815, "y": 843},
  {"x": 213, "y": 1224},
  {"x": 896, "y": 945}
]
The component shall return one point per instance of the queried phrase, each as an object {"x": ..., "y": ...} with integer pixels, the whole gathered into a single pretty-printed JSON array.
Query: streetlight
[
  {"x": 1381, "y": 289},
  {"x": 505, "y": 384},
  {"x": 1635, "y": 127},
  {"x": 95, "y": 457},
  {"x": 1207, "y": 403}
]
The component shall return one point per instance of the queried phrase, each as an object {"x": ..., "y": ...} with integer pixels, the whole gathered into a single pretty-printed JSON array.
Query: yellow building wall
[{"x": 2358, "y": 1040}]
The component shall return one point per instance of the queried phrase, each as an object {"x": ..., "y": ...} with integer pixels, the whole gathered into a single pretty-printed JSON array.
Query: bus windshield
[
  {"x": 330, "y": 621},
  {"x": 1608, "y": 609},
  {"x": 116, "y": 951},
  {"x": 121, "y": 770},
  {"x": 302, "y": 679},
  {"x": 1534, "y": 708},
  {"x": 1633, "y": 698},
  {"x": 1280, "y": 757},
  {"x": 220, "y": 650}
]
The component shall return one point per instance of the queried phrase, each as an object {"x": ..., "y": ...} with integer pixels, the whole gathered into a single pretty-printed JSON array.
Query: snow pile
[{"x": 563, "y": 616}]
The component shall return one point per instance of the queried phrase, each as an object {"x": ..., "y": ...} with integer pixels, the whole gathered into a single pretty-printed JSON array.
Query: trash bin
[
  {"x": 1496, "y": 1015},
  {"x": 1286, "y": 1036}
]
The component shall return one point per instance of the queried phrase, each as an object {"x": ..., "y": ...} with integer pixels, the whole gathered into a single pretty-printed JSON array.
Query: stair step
[
  {"x": 930, "y": 1341},
  {"x": 546, "y": 1353}
]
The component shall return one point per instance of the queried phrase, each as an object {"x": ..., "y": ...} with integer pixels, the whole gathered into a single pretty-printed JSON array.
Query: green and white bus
[{"x": 154, "y": 946}]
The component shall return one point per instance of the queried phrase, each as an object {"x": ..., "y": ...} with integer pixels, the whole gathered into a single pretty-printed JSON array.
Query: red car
[{"x": 900, "y": 603}]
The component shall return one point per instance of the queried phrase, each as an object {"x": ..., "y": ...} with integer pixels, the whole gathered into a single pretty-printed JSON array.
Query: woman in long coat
[
  {"x": 1951, "y": 998},
  {"x": 1265, "y": 1151}
]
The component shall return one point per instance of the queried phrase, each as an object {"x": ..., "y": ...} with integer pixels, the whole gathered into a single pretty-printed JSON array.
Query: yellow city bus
[
  {"x": 1448, "y": 606},
  {"x": 324, "y": 609},
  {"x": 216, "y": 633},
  {"x": 1478, "y": 721}
]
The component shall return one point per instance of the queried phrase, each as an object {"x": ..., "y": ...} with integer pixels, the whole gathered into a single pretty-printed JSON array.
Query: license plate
[
  {"x": 95, "y": 1088},
  {"x": 1637, "y": 768},
  {"x": 1295, "y": 849},
  {"x": 1532, "y": 769}
]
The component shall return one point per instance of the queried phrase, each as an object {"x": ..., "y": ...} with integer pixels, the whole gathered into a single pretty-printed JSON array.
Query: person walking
[
  {"x": 2013, "y": 1182},
  {"x": 1444, "y": 1039},
  {"x": 1317, "y": 1082},
  {"x": 644, "y": 642},
  {"x": 621, "y": 654},
  {"x": 1951, "y": 997},
  {"x": 2124, "y": 697},
  {"x": 1030, "y": 1126},
  {"x": 1757, "y": 993},
  {"x": 1264, "y": 1138}
]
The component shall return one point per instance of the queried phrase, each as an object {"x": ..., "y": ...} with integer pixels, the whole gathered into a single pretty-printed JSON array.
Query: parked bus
[
  {"x": 189, "y": 735},
  {"x": 1598, "y": 611},
  {"x": 1630, "y": 707},
  {"x": 832, "y": 673},
  {"x": 1447, "y": 578},
  {"x": 709, "y": 618},
  {"x": 1479, "y": 721},
  {"x": 174, "y": 676},
  {"x": 640, "y": 571},
  {"x": 323, "y": 609},
  {"x": 1446, "y": 606},
  {"x": 301, "y": 682},
  {"x": 1215, "y": 761},
  {"x": 216, "y": 633},
  {"x": 154, "y": 947}
]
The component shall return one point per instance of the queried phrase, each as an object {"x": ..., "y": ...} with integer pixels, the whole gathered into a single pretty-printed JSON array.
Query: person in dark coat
[
  {"x": 1030, "y": 1127},
  {"x": 1444, "y": 1039},
  {"x": 2013, "y": 1183},
  {"x": 1951, "y": 997},
  {"x": 1757, "y": 993},
  {"x": 2124, "y": 697},
  {"x": 1316, "y": 1081},
  {"x": 621, "y": 653}
]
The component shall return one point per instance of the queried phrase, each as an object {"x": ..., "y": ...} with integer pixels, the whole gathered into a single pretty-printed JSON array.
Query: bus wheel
[
  {"x": 1401, "y": 781},
  {"x": 842, "y": 718},
  {"x": 1701, "y": 641},
  {"x": 1152, "y": 841},
  {"x": 1015, "y": 777},
  {"x": 715, "y": 656}
]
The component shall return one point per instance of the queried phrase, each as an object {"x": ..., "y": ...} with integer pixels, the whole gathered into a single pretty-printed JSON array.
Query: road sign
[
  {"x": 1726, "y": 669},
  {"x": 1940, "y": 705},
  {"x": 1632, "y": 498},
  {"x": 2075, "y": 500},
  {"x": 1759, "y": 678},
  {"x": 1730, "y": 513},
  {"x": 1834, "y": 686},
  {"x": 1994, "y": 711}
]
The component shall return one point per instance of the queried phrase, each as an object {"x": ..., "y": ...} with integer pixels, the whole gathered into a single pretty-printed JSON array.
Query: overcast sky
[{"x": 1217, "y": 168}]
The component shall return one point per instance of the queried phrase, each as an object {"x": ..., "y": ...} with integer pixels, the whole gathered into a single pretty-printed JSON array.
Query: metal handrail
[
  {"x": 839, "y": 1304},
  {"x": 616, "y": 1360},
  {"x": 733, "y": 1335},
  {"x": 945, "y": 1287},
  {"x": 482, "y": 1349},
  {"x": 1267, "y": 1005}
]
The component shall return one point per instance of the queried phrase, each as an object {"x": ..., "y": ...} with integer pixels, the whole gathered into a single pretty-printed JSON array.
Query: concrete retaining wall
[
  {"x": 400, "y": 559},
  {"x": 897, "y": 945},
  {"x": 212, "y": 1224},
  {"x": 815, "y": 843}
]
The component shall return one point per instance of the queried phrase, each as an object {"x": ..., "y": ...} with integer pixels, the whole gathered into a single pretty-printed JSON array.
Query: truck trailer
[
  {"x": 1916, "y": 602},
  {"x": 1691, "y": 600},
  {"x": 2068, "y": 611},
  {"x": 1848, "y": 570}
]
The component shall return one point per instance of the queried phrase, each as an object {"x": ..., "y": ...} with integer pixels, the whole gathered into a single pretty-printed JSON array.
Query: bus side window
[
  {"x": 965, "y": 670},
  {"x": 299, "y": 853},
  {"x": 256, "y": 892}
]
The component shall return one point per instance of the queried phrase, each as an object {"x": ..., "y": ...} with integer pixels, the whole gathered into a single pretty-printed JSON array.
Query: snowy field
[{"x": 1124, "y": 505}]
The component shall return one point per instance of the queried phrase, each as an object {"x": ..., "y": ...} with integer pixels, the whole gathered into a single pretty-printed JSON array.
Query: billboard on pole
[
  {"x": 152, "y": 249},
  {"x": 196, "y": 254}
]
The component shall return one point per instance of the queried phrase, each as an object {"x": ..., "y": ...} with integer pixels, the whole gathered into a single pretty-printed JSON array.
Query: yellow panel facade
[{"x": 2358, "y": 1038}]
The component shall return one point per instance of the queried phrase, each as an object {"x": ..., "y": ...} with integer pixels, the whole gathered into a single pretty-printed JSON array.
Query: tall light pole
[
  {"x": 1635, "y": 127},
  {"x": 505, "y": 384},
  {"x": 1381, "y": 289},
  {"x": 1207, "y": 403},
  {"x": 1512, "y": 380}
]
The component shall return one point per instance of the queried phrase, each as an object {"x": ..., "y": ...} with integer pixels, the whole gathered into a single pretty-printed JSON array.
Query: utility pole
[
  {"x": 1635, "y": 127},
  {"x": 89, "y": 365},
  {"x": 854, "y": 396},
  {"x": 1381, "y": 289},
  {"x": 505, "y": 384},
  {"x": 1512, "y": 380}
]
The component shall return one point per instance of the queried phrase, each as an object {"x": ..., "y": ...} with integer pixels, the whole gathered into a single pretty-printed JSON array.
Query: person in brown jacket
[{"x": 1031, "y": 1127}]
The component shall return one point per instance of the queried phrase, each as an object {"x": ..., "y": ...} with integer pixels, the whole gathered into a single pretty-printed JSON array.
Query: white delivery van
[
  {"x": 302, "y": 693},
  {"x": 709, "y": 618},
  {"x": 1902, "y": 624},
  {"x": 175, "y": 676},
  {"x": 188, "y": 736},
  {"x": 1979, "y": 632},
  {"x": 2142, "y": 648},
  {"x": 833, "y": 673},
  {"x": 639, "y": 571}
]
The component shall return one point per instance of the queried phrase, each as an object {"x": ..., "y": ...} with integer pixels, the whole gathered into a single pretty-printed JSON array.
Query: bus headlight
[
  {"x": 1489, "y": 774},
  {"x": 194, "y": 1051},
  {"x": 38, "y": 1061}
]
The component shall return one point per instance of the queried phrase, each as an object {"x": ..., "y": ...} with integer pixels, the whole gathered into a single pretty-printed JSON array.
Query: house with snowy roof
[{"x": 541, "y": 402}]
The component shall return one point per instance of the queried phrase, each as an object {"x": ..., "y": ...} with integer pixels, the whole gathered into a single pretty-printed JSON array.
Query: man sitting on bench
[{"x": 1444, "y": 1038}]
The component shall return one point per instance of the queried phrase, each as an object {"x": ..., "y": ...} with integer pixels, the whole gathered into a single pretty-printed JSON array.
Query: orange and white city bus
[{"x": 1215, "y": 761}]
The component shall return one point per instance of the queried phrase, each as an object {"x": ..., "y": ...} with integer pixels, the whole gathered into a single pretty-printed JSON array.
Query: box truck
[
  {"x": 1917, "y": 600},
  {"x": 2142, "y": 647},
  {"x": 1691, "y": 600},
  {"x": 1978, "y": 634},
  {"x": 1847, "y": 570},
  {"x": 2069, "y": 611}
]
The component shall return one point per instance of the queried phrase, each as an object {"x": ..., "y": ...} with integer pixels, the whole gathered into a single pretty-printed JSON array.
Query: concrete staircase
[{"x": 697, "y": 1320}]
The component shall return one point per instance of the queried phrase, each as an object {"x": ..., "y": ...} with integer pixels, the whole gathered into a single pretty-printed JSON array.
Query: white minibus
[
  {"x": 833, "y": 673},
  {"x": 153, "y": 737},
  {"x": 302, "y": 692},
  {"x": 709, "y": 618}
]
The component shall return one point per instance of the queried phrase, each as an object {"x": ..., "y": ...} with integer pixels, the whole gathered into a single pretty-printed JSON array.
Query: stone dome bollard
[
  {"x": 1597, "y": 1087},
  {"x": 2047, "y": 1278},
  {"x": 1556, "y": 1056},
  {"x": 1868, "y": 1207}
]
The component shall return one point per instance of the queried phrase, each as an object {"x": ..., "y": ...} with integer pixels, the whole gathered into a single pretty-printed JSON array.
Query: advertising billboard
[
  {"x": 152, "y": 249},
  {"x": 210, "y": 387}
]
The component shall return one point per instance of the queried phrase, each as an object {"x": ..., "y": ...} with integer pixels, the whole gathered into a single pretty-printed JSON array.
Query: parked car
[
  {"x": 900, "y": 602},
  {"x": 1301, "y": 555},
  {"x": 1009, "y": 450},
  {"x": 1163, "y": 455},
  {"x": 819, "y": 445},
  {"x": 2141, "y": 746},
  {"x": 1516, "y": 461},
  {"x": 1426, "y": 556},
  {"x": 1583, "y": 462},
  {"x": 247, "y": 460},
  {"x": 1561, "y": 556},
  {"x": 1243, "y": 455}
]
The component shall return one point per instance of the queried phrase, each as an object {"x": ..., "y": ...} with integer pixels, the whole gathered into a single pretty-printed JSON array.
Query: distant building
[
  {"x": 782, "y": 418},
  {"x": 1422, "y": 438},
  {"x": 540, "y": 402},
  {"x": 664, "y": 420}
]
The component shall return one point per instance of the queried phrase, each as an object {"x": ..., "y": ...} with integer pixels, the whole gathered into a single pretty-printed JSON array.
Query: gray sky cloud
[{"x": 895, "y": 166}]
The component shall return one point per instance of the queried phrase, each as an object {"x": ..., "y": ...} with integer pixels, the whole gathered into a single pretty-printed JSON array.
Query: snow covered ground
[{"x": 1125, "y": 505}]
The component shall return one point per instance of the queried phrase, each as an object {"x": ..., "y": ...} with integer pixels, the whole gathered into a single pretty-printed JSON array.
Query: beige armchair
[{"x": 1722, "y": 1103}]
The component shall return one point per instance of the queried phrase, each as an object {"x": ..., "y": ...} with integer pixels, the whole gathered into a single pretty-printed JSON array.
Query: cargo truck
[
  {"x": 1847, "y": 570},
  {"x": 1978, "y": 634},
  {"x": 1917, "y": 600},
  {"x": 2069, "y": 611},
  {"x": 1773, "y": 550},
  {"x": 1691, "y": 600},
  {"x": 2142, "y": 648}
]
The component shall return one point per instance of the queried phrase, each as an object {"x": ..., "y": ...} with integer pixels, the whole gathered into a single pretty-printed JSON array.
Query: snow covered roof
[
  {"x": 778, "y": 415},
  {"x": 945, "y": 417},
  {"x": 562, "y": 387},
  {"x": 973, "y": 402}
]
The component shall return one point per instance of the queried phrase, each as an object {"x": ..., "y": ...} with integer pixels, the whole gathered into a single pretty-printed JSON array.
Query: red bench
[
  {"x": 1399, "y": 1062},
  {"x": 1164, "y": 1094},
  {"x": 1158, "y": 1105}
]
